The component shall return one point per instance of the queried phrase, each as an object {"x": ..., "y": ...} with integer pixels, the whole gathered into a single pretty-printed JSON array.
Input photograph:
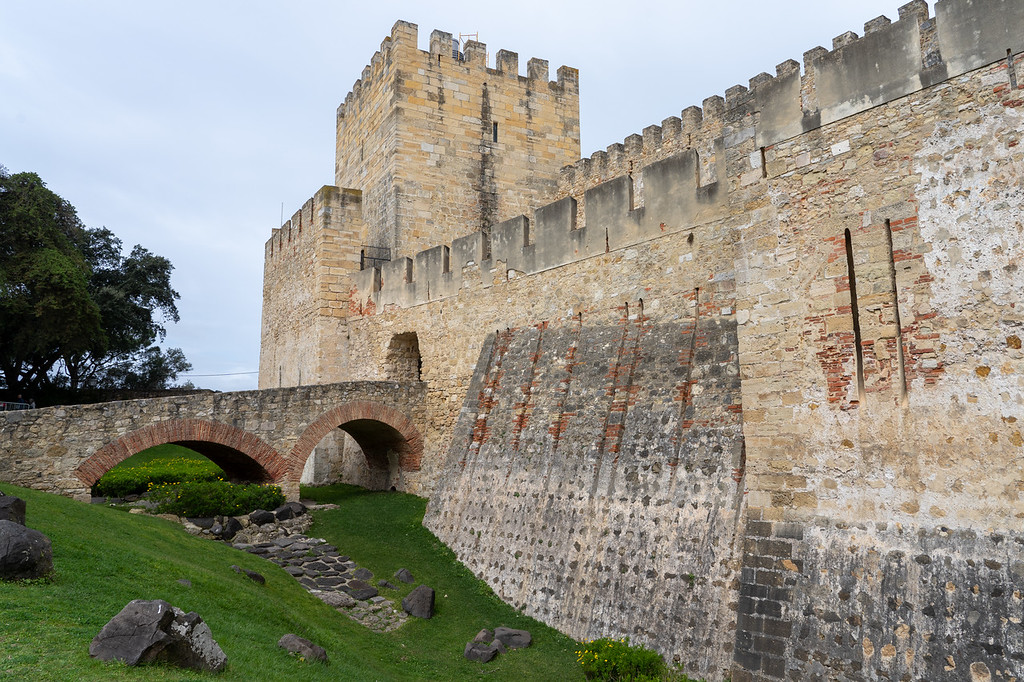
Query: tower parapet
[{"x": 416, "y": 119}]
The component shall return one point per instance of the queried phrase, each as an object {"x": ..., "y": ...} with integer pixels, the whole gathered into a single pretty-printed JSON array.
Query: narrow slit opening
[
  {"x": 858, "y": 351},
  {"x": 764, "y": 164},
  {"x": 900, "y": 358}
]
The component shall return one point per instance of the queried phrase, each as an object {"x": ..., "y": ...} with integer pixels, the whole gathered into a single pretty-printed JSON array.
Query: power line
[{"x": 227, "y": 374}]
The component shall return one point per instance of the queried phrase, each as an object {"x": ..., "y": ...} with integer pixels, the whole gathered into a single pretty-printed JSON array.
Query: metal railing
[
  {"x": 373, "y": 256},
  {"x": 9, "y": 406}
]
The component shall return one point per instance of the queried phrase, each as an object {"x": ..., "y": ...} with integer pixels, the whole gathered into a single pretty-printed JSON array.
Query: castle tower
[
  {"x": 431, "y": 146},
  {"x": 442, "y": 146}
]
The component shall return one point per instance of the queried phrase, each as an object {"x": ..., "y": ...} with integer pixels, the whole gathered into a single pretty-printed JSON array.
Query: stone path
[{"x": 331, "y": 576}]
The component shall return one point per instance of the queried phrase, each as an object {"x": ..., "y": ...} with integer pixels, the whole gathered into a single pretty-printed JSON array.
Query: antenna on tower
[{"x": 458, "y": 45}]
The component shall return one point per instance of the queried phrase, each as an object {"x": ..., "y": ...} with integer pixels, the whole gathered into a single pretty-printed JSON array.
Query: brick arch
[
  {"x": 376, "y": 427},
  {"x": 234, "y": 450}
]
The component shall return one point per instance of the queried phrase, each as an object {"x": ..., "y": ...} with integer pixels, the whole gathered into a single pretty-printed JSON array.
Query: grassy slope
[
  {"x": 104, "y": 558},
  {"x": 159, "y": 452}
]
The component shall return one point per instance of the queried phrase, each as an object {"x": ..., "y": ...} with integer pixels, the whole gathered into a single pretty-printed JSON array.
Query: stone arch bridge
[{"x": 263, "y": 435}]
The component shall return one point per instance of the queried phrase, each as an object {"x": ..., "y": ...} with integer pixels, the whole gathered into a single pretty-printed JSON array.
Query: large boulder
[
  {"x": 262, "y": 516},
  {"x": 146, "y": 631},
  {"x": 420, "y": 602},
  {"x": 303, "y": 647},
  {"x": 24, "y": 553},
  {"x": 12, "y": 509},
  {"x": 512, "y": 638}
]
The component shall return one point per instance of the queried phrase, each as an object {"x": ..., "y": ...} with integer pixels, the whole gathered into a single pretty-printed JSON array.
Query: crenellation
[
  {"x": 917, "y": 9},
  {"x": 876, "y": 24},
  {"x": 475, "y": 52},
  {"x": 440, "y": 44},
  {"x": 844, "y": 39},
  {"x": 672, "y": 130},
  {"x": 569, "y": 79},
  {"x": 507, "y": 62},
  {"x": 786, "y": 68},
  {"x": 652, "y": 138},
  {"x": 537, "y": 69}
]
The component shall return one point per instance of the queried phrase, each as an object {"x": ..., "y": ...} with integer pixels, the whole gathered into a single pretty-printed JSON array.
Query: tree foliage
[{"x": 74, "y": 311}]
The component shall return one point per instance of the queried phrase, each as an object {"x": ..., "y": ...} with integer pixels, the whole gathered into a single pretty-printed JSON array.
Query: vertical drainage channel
[
  {"x": 896, "y": 313},
  {"x": 857, "y": 350}
]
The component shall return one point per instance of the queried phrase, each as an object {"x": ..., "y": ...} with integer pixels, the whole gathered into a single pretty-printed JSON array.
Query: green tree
[
  {"x": 45, "y": 305},
  {"x": 134, "y": 297},
  {"x": 74, "y": 312}
]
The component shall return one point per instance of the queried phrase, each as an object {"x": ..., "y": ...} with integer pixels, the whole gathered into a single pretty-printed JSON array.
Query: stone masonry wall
[
  {"x": 258, "y": 435},
  {"x": 307, "y": 263},
  {"x": 454, "y": 146},
  {"x": 866, "y": 216},
  {"x": 596, "y": 468}
]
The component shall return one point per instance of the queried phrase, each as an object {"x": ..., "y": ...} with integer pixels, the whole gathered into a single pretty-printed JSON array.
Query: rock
[
  {"x": 255, "y": 577},
  {"x": 363, "y": 573},
  {"x": 298, "y": 509},
  {"x": 146, "y": 631},
  {"x": 360, "y": 590},
  {"x": 135, "y": 635},
  {"x": 217, "y": 529},
  {"x": 24, "y": 553},
  {"x": 284, "y": 512},
  {"x": 12, "y": 509},
  {"x": 420, "y": 602},
  {"x": 303, "y": 647},
  {"x": 201, "y": 521},
  {"x": 478, "y": 651},
  {"x": 262, "y": 516},
  {"x": 513, "y": 639},
  {"x": 485, "y": 636},
  {"x": 193, "y": 645},
  {"x": 184, "y": 581},
  {"x": 404, "y": 575},
  {"x": 338, "y": 600},
  {"x": 385, "y": 584},
  {"x": 231, "y": 528}
]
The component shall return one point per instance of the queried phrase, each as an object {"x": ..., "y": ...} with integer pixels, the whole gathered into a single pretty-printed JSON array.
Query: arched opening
[
  {"x": 242, "y": 456},
  {"x": 364, "y": 443},
  {"x": 402, "y": 361}
]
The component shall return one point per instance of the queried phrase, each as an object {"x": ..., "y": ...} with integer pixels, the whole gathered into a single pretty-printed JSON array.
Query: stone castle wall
[
  {"x": 859, "y": 227},
  {"x": 307, "y": 265},
  {"x": 453, "y": 144}
]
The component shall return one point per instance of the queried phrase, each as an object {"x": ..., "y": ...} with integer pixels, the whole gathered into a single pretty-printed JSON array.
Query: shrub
[
  {"x": 135, "y": 480},
  {"x": 615, "y": 660},
  {"x": 215, "y": 498}
]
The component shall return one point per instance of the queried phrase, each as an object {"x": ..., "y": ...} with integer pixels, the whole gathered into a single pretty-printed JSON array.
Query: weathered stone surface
[
  {"x": 478, "y": 651},
  {"x": 420, "y": 602},
  {"x": 231, "y": 528},
  {"x": 511, "y": 638},
  {"x": 146, "y": 631},
  {"x": 339, "y": 600},
  {"x": 262, "y": 516},
  {"x": 404, "y": 575},
  {"x": 24, "y": 553},
  {"x": 303, "y": 647},
  {"x": 12, "y": 509}
]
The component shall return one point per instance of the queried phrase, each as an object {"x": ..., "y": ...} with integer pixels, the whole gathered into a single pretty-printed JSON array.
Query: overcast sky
[{"x": 183, "y": 126}]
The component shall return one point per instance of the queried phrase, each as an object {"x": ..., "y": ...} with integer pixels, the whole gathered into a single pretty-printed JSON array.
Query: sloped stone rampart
[{"x": 594, "y": 479}]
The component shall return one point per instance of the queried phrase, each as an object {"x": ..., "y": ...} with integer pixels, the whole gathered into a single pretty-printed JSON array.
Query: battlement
[
  {"x": 892, "y": 59},
  {"x": 417, "y": 118},
  {"x": 553, "y": 237},
  {"x": 401, "y": 47}
]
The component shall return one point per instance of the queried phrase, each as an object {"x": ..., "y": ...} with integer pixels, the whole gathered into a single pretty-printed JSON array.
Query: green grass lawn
[
  {"x": 104, "y": 558},
  {"x": 162, "y": 452}
]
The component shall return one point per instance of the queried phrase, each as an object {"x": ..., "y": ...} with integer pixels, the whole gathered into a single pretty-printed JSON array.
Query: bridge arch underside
[
  {"x": 366, "y": 443},
  {"x": 242, "y": 456}
]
